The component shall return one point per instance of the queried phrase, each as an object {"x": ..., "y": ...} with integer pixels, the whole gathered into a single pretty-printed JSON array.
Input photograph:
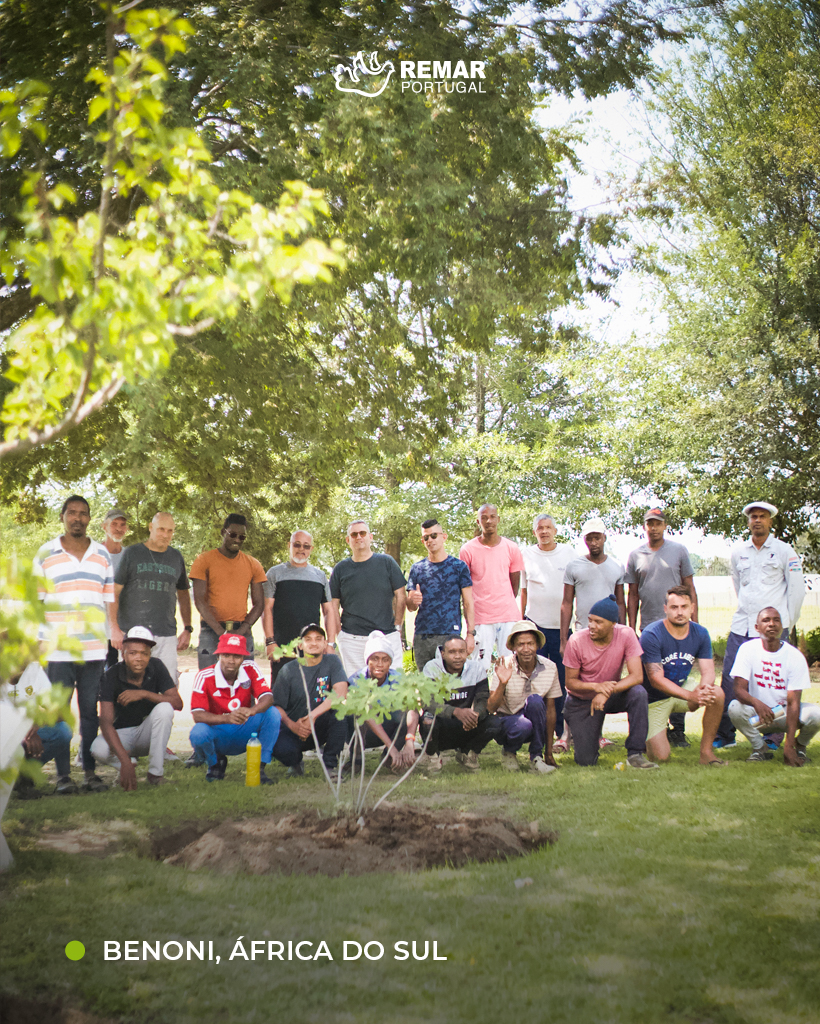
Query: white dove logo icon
[{"x": 347, "y": 77}]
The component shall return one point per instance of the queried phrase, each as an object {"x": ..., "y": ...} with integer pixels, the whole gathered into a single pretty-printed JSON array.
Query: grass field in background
[{"x": 680, "y": 895}]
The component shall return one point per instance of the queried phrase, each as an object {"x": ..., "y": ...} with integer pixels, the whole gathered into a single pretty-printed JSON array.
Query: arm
[
  {"x": 170, "y": 696},
  {"x": 634, "y": 675},
  {"x": 257, "y": 606},
  {"x": 331, "y": 618},
  {"x": 656, "y": 677},
  {"x": 204, "y": 609},
  {"x": 796, "y": 589},
  {"x": 400, "y": 596},
  {"x": 742, "y": 694},
  {"x": 689, "y": 583},
  {"x": 792, "y": 722},
  {"x": 550, "y": 731},
  {"x": 619, "y": 600},
  {"x": 515, "y": 582},
  {"x": 267, "y": 629},
  {"x": 632, "y": 607},
  {"x": 321, "y": 709},
  {"x": 128, "y": 777},
  {"x": 468, "y": 604},
  {"x": 337, "y": 604},
  {"x": 113, "y": 615},
  {"x": 586, "y": 691},
  {"x": 566, "y": 612},
  {"x": 187, "y": 634},
  {"x": 523, "y": 602},
  {"x": 502, "y": 674}
]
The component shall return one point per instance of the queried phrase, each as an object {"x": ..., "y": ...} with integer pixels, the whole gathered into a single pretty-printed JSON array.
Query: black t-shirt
[
  {"x": 366, "y": 590},
  {"x": 298, "y": 596},
  {"x": 157, "y": 679},
  {"x": 289, "y": 693}
]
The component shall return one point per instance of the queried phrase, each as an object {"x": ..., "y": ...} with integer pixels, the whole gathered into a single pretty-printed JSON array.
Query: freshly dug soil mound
[{"x": 389, "y": 839}]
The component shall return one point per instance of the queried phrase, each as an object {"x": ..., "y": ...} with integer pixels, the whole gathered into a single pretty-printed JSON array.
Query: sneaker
[
  {"x": 217, "y": 772},
  {"x": 195, "y": 760},
  {"x": 94, "y": 784},
  {"x": 509, "y": 761},
  {"x": 677, "y": 739},
  {"x": 296, "y": 771},
  {"x": 803, "y": 756},
  {"x": 266, "y": 780},
  {"x": 430, "y": 763},
  {"x": 468, "y": 761},
  {"x": 760, "y": 755},
  {"x": 66, "y": 786},
  {"x": 639, "y": 761},
  {"x": 170, "y": 755},
  {"x": 159, "y": 780},
  {"x": 540, "y": 767},
  {"x": 721, "y": 744}
]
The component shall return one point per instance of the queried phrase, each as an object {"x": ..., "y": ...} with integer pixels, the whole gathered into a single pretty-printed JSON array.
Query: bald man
[
  {"x": 149, "y": 582},
  {"x": 295, "y": 593}
]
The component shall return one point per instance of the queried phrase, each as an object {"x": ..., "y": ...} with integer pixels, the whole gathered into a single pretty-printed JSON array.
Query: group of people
[{"x": 552, "y": 642}]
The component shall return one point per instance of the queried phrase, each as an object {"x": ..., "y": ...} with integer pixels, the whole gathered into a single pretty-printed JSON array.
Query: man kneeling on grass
[
  {"x": 138, "y": 699},
  {"x": 522, "y": 699},
  {"x": 400, "y": 727},
  {"x": 324, "y": 673},
  {"x": 594, "y": 659},
  {"x": 670, "y": 648},
  {"x": 463, "y": 723},
  {"x": 230, "y": 702},
  {"x": 769, "y": 676}
]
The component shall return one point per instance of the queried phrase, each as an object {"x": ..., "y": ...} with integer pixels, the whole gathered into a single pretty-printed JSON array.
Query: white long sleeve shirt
[{"x": 769, "y": 575}]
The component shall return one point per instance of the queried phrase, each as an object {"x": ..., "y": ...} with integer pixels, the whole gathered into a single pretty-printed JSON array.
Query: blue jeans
[
  {"x": 552, "y": 651},
  {"x": 56, "y": 740},
  {"x": 211, "y": 741},
  {"x": 85, "y": 675}
]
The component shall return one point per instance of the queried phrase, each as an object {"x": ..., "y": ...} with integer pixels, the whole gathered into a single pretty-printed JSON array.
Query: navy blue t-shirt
[
  {"x": 441, "y": 585},
  {"x": 675, "y": 657}
]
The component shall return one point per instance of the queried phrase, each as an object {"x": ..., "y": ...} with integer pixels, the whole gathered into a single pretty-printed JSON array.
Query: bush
[
  {"x": 719, "y": 646},
  {"x": 810, "y": 642}
]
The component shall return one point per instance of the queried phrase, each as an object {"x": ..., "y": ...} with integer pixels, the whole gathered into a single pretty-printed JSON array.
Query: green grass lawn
[{"x": 681, "y": 895}]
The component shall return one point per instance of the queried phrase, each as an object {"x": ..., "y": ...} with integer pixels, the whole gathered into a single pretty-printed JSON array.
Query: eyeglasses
[
  {"x": 429, "y": 536},
  {"x": 359, "y": 533},
  {"x": 236, "y": 536},
  {"x": 306, "y": 547}
]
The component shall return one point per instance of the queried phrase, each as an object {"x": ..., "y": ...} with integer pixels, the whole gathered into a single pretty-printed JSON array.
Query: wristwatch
[{"x": 187, "y": 629}]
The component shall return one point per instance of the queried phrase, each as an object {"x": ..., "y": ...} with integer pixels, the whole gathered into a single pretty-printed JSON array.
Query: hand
[
  {"x": 273, "y": 652},
  {"x": 597, "y": 702},
  {"x": 503, "y": 672},
  {"x": 302, "y": 727},
  {"x": 704, "y": 695},
  {"x": 117, "y": 636},
  {"x": 238, "y": 717},
  {"x": 764, "y": 711},
  {"x": 32, "y": 744},
  {"x": 607, "y": 689},
  {"x": 470, "y": 640},
  {"x": 790, "y": 755},
  {"x": 128, "y": 777},
  {"x": 414, "y": 597},
  {"x": 129, "y": 696},
  {"x": 184, "y": 640},
  {"x": 396, "y": 759},
  {"x": 467, "y": 717}
]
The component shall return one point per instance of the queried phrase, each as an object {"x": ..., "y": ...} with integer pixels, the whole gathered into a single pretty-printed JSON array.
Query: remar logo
[{"x": 348, "y": 84}]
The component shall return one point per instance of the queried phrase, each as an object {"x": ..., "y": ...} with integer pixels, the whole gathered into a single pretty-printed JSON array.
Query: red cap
[{"x": 232, "y": 643}]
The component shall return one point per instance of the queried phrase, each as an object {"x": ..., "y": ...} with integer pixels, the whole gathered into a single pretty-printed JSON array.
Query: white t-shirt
[
  {"x": 543, "y": 576},
  {"x": 771, "y": 674}
]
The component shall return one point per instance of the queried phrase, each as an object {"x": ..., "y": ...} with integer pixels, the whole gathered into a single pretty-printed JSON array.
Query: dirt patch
[
  {"x": 14, "y": 1010},
  {"x": 96, "y": 839},
  {"x": 395, "y": 838}
]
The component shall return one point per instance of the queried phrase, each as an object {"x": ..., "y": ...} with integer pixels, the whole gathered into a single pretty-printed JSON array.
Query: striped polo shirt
[
  {"x": 77, "y": 585},
  {"x": 543, "y": 681}
]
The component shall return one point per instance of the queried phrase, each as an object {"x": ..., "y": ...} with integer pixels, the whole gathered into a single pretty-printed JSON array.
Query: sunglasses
[
  {"x": 236, "y": 536},
  {"x": 359, "y": 533},
  {"x": 429, "y": 536}
]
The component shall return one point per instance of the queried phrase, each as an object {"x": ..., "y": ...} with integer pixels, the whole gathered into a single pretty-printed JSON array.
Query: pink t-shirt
[
  {"x": 599, "y": 664},
  {"x": 490, "y": 568}
]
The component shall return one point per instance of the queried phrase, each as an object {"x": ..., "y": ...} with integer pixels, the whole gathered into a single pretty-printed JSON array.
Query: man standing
[
  {"x": 594, "y": 659},
  {"x": 651, "y": 571},
  {"x": 765, "y": 571},
  {"x": 138, "y": 699},
  {"x": 495, "y": 565},
  {"x": 324, "y": 675},
  {"x": 769, "y": 676},
  {"x": 590, "y": 578},
  {"x": 148, "y": 583},
  {"x": 79, "y": 572},
  {"x": 542, "y": 591},
  {"x": 230, "y": 702},
  {"x": 463, "y": 722},
  {"x": 221, "y": 578},
  {"x": 369, "y": 589},
  {"x": 522, "y": 696},
  {"x": 295, "y": 592},
  {"x": 437, "y": 587},
  {"x": 115, "y": 527},
  {"x": 671, "y": 646}
]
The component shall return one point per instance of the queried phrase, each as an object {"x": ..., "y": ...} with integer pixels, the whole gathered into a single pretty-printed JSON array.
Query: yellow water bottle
[{"x": 253, "y": 761}]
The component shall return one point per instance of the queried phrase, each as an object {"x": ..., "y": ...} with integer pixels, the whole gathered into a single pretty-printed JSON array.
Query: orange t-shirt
[{"x": 228, "y": 580}]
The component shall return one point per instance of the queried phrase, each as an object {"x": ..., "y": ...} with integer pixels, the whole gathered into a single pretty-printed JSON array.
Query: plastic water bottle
[
  {"x": 779, "y": 720},
  {"x": 253, "y": 761}
]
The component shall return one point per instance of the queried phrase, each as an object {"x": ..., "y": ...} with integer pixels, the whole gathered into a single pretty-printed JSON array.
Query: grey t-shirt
[
  {"x": 150, "y": 581},
  {"x": 655, "y": 572},
  {"x": 289, "y": 691},
  {"x": 366, "y": 591},
  {"x": 592, "y": 582}
]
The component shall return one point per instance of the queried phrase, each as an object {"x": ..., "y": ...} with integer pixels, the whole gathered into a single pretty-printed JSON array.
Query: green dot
[{"x": 75, "y": 950}]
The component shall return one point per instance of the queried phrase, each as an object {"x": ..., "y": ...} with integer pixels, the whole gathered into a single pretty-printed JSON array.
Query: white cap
[
  {"x": 593, "y": 526},
  {"x": 377, "y": 644},
  {"x": 140, "y": 633},
  {"x": 760, "y": 504}
]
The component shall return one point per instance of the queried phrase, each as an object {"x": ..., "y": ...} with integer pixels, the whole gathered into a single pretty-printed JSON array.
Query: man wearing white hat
[
  {"x": 138, "y": 699},
  {"x": 590, "y": 578},
  {"x": 765, "y": 572}
]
